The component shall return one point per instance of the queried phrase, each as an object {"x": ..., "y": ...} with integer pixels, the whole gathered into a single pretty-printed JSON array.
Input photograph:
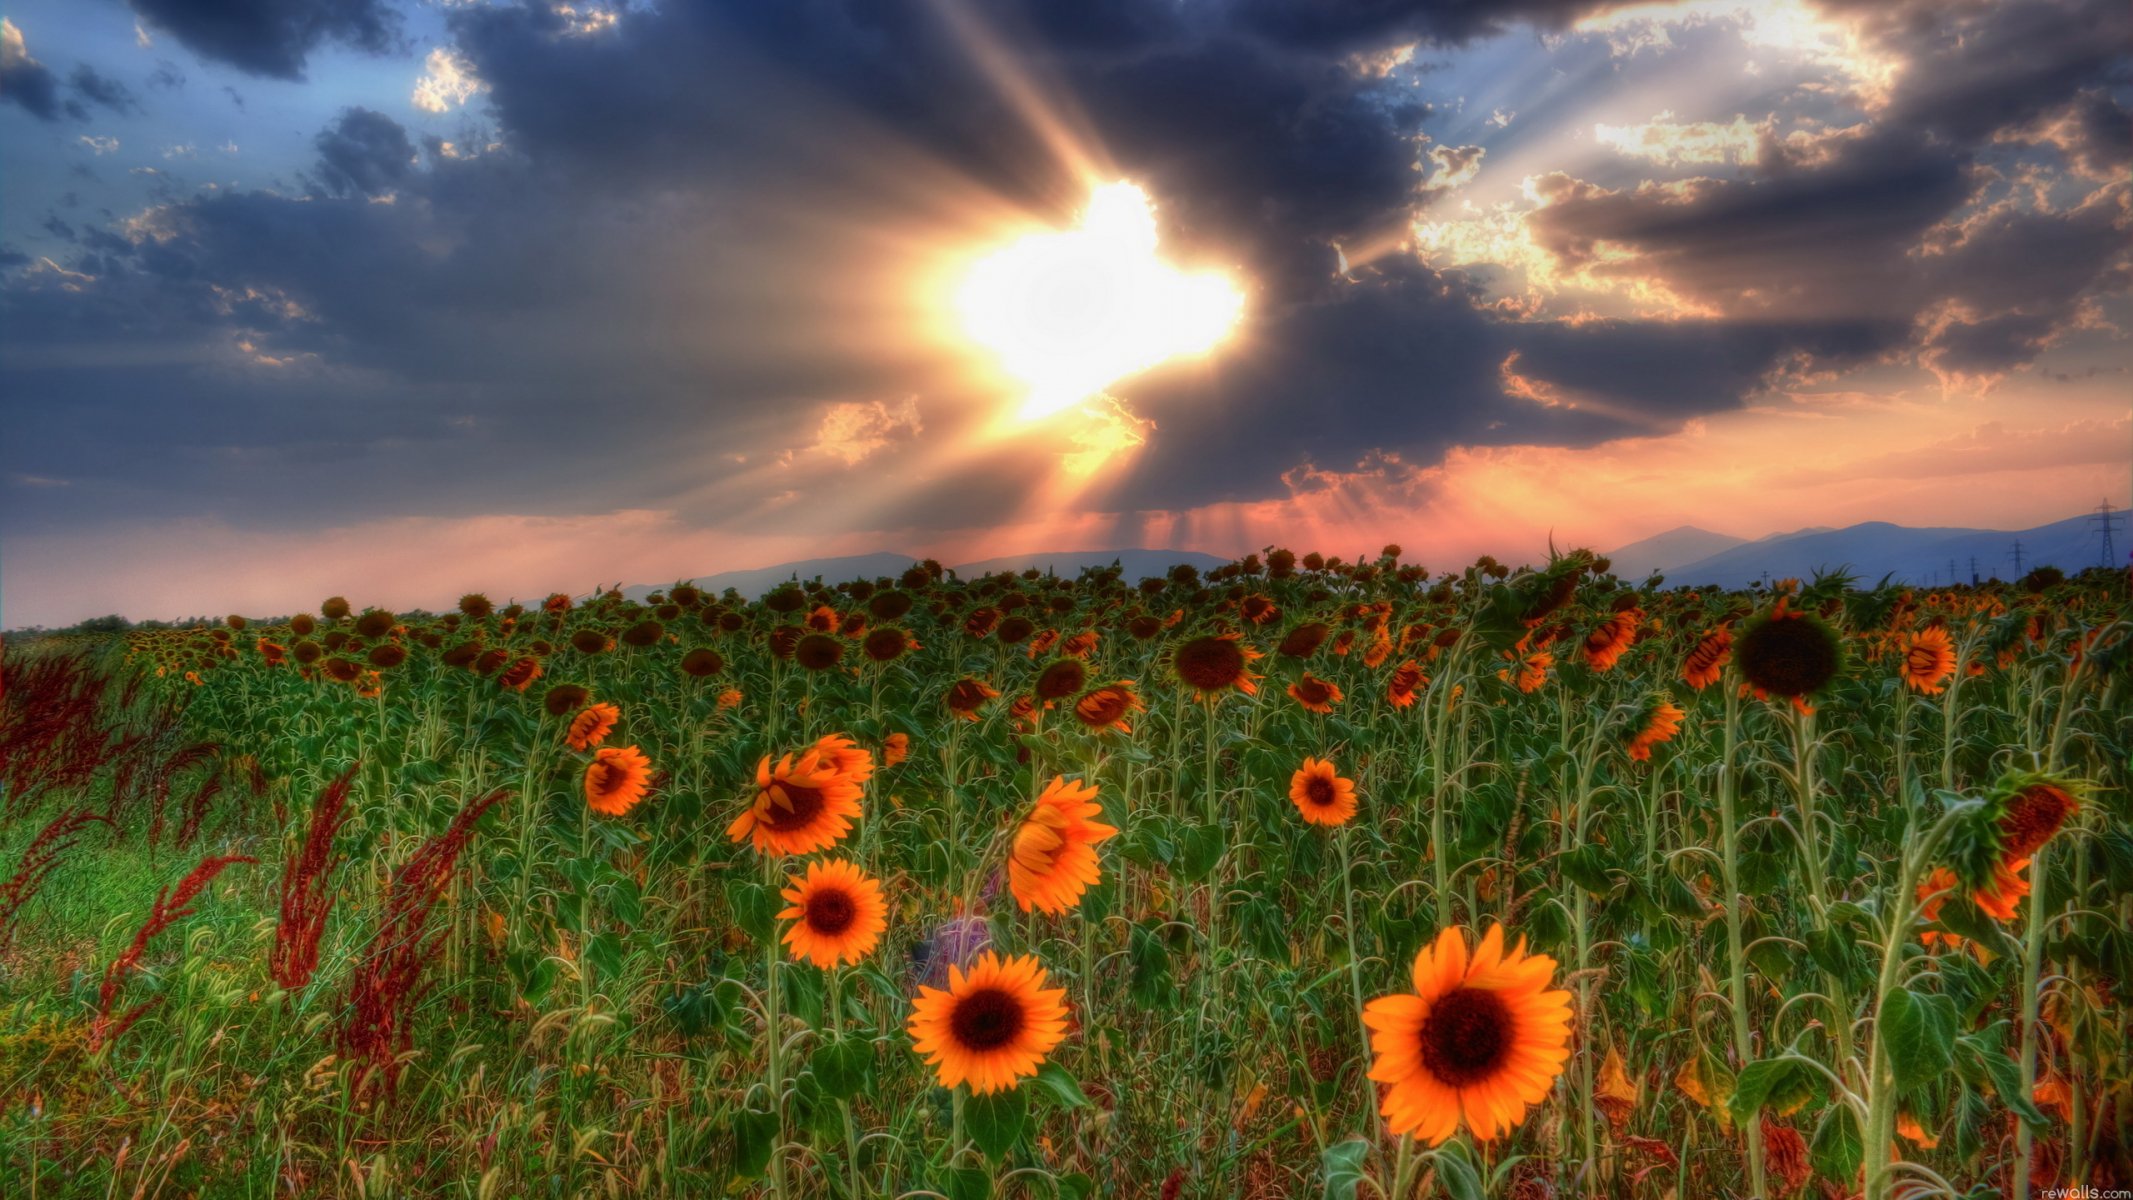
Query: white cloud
[
  {"x": 448, "y": 81},
  {"x": 1664, "y": 141},
  {"x": 98, "y": 144}
]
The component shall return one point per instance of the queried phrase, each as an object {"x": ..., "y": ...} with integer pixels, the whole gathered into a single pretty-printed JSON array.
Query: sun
[{"x": 1067, "y": 313}]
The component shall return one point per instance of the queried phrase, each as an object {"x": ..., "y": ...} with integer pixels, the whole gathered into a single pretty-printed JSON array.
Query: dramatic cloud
[
  {"x": 272, "y": 37},
  {"x": 23, "y": 79}
]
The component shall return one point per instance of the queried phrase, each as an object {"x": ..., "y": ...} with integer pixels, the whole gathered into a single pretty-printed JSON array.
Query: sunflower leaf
[
  {"x": 996, "y": 1120},
  {"x": 842, "y": 1066},
  {"x": 755, "y": 1136},
  {"x": 1059, "y": 1087},
  {"x": 1343, "y": 1165},
  {"x": 1919, "y": 1033}
]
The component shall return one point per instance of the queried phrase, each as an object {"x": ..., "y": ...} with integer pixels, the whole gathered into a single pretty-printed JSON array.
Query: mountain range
[{"x": 1930, "y": 555}]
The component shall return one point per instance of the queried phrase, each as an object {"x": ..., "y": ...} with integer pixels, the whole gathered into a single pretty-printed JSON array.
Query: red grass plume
[
  {"x": 307, "y": 889},
  {"x": 39, "y": 860},
  {"x": 172, "y": 904},
  {"x": 388, "y": 983}
]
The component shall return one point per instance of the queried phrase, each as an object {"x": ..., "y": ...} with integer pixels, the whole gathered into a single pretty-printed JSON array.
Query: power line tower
[
  {"x": 2018, "y": 558},
  {"x": 1973, "y": 570},
  {"x": 2103, "y": 519}
]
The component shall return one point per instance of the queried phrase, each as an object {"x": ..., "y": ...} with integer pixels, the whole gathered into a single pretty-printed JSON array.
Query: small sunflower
[
  {"x": 1788, "y": 654},
  {"x": 803, "y": 803},
  {"x": 1320, "y": 794},
  {"x": 1708, "y": 660},
  {"x": 837, "y": 912},
  {"x": 1317, "y": 695},
  {"x": 994, "y": 1025},
  {"x": 1107, "y": 707},
  {"x": 1928, "y": 660},
  {"x": 895, "y": 748},
  {"x": 1480, "y": 1039},
  {"x": 1660, "y": 724},
  {"x": 616, "y": 779},
  {"x": 1053, "y": 860},
  {"x": 591, "y": 726}
]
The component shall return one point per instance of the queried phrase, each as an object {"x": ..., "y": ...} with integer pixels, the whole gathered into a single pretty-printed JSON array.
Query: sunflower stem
[
  {"x": 1355, "y": 977},
  {"x": 2032, "y": 969},
  {"x": 1736, "y": 963}
]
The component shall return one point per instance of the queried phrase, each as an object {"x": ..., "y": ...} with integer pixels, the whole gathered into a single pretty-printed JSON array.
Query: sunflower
[
  {"x": 1079, "y": 645},
  {"x": 1407, "y": 680},
  {"x": 1053, "y": 860},
  {"x": 822, "y": 620},
  {"x": 616, "y": 779},
  {"x": 802, "y": 804},
  {"x": 520, "y": 675},
  {"x": 702, "y": 663},
  {"x": 1258, "y": 609},
  {"x": 1317, "y": 695},
  {"x": 1214, "y": 664},
  {"x": 272, "y": 652},
  {"x": 895, "y": 748},
  {"x": 564, "y": 699},
  {"x": 1303, "y": 641},
  {"x": 845, "y": 755},
  {"x": 1062, "y": 678},
  {"x": 1788, "y": 654},
  {"x": 837, "y": 912},
  {"x": 1990, "y": 850},
  {"x": 1660, "y": 724},
  {"x": 887, "y": 644},
  {"x": 1708, "y": 660},
  {"x": 1479, "y": 1039},
  {"x": 1928, "y": 660},
  {"x": 993, "y": 1026},
  {"x": 967, "y": 695},
  {"x": 591, "y": 726},
  {"x": 818, "y": 652},
  {"x": 1603, "y": 646},
  {"x": 1320, "y": 794},
  {"x": 1107, "y": 707}
]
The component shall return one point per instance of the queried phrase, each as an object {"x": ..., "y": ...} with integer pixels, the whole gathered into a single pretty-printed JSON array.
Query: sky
[{"x": 404, "y": 298}]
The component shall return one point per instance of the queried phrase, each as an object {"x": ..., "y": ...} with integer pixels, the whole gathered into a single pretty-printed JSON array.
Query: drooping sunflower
[
  {"x": 1107, "y": 707},
  {"x": 1407, "y": 680},
  {"x": 1606, "y": 644},
  {"x": 1928, "y": 660},
  {"x": 616, "y": 779},
  {"x": 966, "y": 696},
  {"x": 1659, "y": 724},
  {"x": 895, "y": 748},
  {"x": 1708, "y": 660},
  {"x": 994, "y": 1025},
  {"x": 1788, "y": 654},
  {"x": 591, "y": 726},
  {"x": 1315, "y": 694},
  {"x": 837, "y": 912},
  {"x": 1214, "y": 664},
  {"x": 564, "y": 699},
  {"x": 803, "y": 803},
  {"x": 1304, "y": 640},
  {"x": 1479, "y": 1040},
  {"x": 1053, "y": 860},
  {"x": 1079, "y": 645},
  {"x": 520, "y": 675},
  {"x": 1320, "y": 794}
]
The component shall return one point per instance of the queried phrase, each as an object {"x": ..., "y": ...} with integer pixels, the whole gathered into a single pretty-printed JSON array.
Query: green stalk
[{"x": 1736, "y": 964}]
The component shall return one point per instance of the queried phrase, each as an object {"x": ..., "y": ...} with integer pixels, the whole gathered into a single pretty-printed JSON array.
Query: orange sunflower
[
  {"x": 1708, "y": 660},
  {"x": 1107, "y": 707},
  {"x": 1928, "y": 660},
  {"x": 1407, "y": 680},
  {"x": 803, "y": 803},
  {"x": 993, "y": 1026},
  {"x": 591, "y": 726},
  {"x": 1054, "y": 856},
  {"x": 1480, "y": 1039},
  {"x": 967, "y": 696},
  {"x": 1605, "y": 645},
  {"x": 1320, "y": 794},
  {"x": 1214, "y": 664},
  {"x": 616, "y": 779},
  {"x": 1659, "y": 725},
  {"x": 1317, "y": 695},
  {"x": 895, "y": 748},
  {"x": 837, "y": 912}
]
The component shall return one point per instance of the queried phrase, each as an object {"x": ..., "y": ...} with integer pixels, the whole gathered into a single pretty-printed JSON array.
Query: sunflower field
[{"x": 1302, "y": 877}]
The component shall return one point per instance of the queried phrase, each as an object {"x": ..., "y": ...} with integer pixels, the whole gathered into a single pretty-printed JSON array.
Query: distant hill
[
  {"x": 1138, "y": 565},
  {"x": 1876, "y": 548},
  {"x": 1682, "y": 544}
]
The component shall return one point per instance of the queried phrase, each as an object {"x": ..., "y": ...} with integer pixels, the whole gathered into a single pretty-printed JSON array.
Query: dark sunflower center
[
  {"x": 1788, "y": 656},
  {"x": 1319, "y": 790},
  {"x": 1210, "y": 663},
  {"x": 830, "y": 911},
  {"x": 1466, "y": 1037},
  {"x": 987, "y": 1019},
  {"x": 1312, "y": 690},
  {"x": 1061, "y": 679},
  {"x": 806, "y": 803}
]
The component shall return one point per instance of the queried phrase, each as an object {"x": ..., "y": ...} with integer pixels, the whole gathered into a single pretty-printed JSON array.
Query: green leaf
[
  {"x": 1586, "y": 867},
  {"x": 968, "y": 1183},
  {"x": 842, "y": 1066},
  {"x": 603, "y": 954},
  {"x": 1458, "y": 1172},
  {"x": 755, "y": 1137},
  {"x": 1075, "y": 1186},
  {"x": 1983, "y": 1053},
  {"x": 1918, "y": 1034},
  {"x": 1201, "y": 848},
  {"x": 1781, "y": 1083},
  {"x": 1053, "y": 1083},
  {"x": 1343, "y": 1164},
  {"x": 996, "y": 1121},
  {"x": 1838, "y": 1148},
  {"x": 755, "y": 909}
]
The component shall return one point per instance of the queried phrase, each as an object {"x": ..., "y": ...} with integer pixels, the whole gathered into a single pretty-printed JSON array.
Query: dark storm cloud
[
  {"x": 273, "y": 37},
  {"x": 25, "y": 81},
  {"x": 364, "y": 153},
  {"x": 1873, "y": 226}
]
